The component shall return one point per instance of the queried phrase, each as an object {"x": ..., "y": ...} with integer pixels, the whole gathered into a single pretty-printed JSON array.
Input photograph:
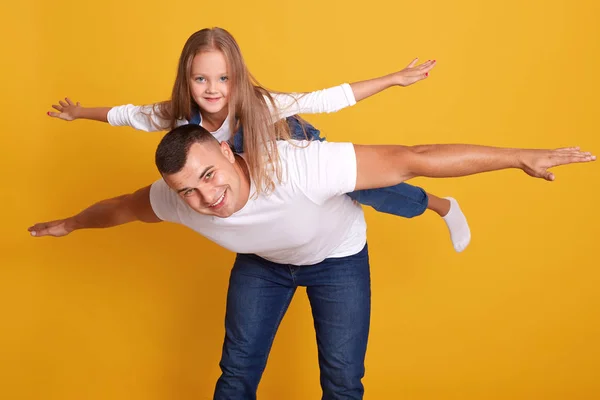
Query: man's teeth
[{"x": 216, "y": 203}]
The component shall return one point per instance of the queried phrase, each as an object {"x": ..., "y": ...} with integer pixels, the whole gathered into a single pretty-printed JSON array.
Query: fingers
[
  {"x": 428, "y": 66},
  {"x": 565, "y": 160},
  {"x": 43, "y": 228},
  {"x": 64, "y": 104},
  {"x": 412, "y": 63},
  {"x": 570, "y": 157},
  {"x": 554, "y": 158},
  {"x": 570, "y": 151},
  {"x": 65, "y": 109},
  {"x": 422, "y": 69},
  {"x": 55, "y": 114},
  {"x": 576, "y": 148},
  {"x": 576, "y": 158},
  {"x": 38, "y": 229},
  {"x": 412, "y": 73},
  {"x": 547, "y": 175},
  {"x": 573, "y": 152}
]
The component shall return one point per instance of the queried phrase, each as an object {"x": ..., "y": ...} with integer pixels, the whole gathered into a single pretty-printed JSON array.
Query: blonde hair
[{"x": 248, "y": 107}]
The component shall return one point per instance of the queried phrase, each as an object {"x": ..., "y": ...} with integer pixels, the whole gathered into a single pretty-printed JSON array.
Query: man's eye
[
  {"x": 208, "y": 175},
  {"x": 188, "y": 192}
]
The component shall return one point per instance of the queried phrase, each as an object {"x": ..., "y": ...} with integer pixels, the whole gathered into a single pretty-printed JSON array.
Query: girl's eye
[
  {"x": 200, "y": 79},
  {"x": 224, "y": 79}
]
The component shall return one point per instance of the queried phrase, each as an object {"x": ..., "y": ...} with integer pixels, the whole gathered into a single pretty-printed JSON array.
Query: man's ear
[{"x": 227, "y": 152}]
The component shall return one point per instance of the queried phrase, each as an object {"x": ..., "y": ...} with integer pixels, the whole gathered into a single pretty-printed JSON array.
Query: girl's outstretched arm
[
  {"x": 406, "y": 77},
  {"x": 338, "y": 97},
  {"x": 142, "y": 118},
  {"x": 69, "y": 111}
]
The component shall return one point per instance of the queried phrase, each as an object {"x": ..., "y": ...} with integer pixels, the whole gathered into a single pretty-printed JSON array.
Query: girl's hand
[
  {"x": 412, "y": 74},
  {"x": 67, "y": 110}
]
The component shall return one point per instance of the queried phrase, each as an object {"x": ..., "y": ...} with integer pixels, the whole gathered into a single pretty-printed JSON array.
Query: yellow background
[{"x": 137, "y": 312}]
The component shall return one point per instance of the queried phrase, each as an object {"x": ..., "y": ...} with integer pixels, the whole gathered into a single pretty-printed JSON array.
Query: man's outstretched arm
[
  {"x": 104, "y": 214},
  {"x": 382, "y": 166}
]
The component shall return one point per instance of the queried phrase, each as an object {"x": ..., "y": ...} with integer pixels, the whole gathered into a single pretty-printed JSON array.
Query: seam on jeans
[
  {"x": 281, "y": 314},
  {"x": 290, "y": 268}
]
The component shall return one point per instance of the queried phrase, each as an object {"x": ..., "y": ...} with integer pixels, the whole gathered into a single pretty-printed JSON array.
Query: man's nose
[{"x": 207, "y": 195}]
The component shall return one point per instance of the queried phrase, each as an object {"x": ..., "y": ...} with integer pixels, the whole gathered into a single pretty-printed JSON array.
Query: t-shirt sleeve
[
  {"x": 143, "y": 118},
  {"x": 165, "y": 203},
  {"x": 321, "y": 101},
  {"x": 323, "y": 170}
]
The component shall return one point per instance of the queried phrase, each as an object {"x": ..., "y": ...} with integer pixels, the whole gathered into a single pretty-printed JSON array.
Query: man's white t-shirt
[{"x": 304, "y": 220}]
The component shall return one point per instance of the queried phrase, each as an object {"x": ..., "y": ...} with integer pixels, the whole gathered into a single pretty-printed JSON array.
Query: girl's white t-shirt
[{"x": 287, "y": 104}]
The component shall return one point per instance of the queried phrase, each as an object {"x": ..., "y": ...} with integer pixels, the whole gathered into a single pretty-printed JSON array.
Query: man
[{"x": 306, "y": 232}]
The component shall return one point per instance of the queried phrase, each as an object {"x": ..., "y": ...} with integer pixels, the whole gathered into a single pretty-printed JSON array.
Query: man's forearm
[
  {"x": 454, "y": 160},
  {"x": 104, "y": 214}
]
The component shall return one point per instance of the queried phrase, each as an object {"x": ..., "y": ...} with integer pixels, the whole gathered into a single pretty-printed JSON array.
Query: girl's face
[{"x": 210, "y": 83}]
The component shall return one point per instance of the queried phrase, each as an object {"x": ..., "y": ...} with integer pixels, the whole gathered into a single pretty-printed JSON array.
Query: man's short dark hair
[{"x": 173, "y": 149}]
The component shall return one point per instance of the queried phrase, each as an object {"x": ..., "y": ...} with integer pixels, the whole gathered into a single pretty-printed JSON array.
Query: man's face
[{"x": 210, "y": 183}]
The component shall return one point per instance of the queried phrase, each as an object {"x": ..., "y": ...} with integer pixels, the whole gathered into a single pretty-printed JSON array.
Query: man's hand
[
  {"x": 537, "y": 162},
  {"x": 58, "y": 228}
]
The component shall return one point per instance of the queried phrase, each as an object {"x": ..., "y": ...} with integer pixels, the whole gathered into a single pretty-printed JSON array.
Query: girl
[{"x": 214, "y": 88}]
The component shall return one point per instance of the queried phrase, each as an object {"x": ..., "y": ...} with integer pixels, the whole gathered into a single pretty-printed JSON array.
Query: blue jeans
[
  {"x": 403, "y": 200},
  {"x": 260, "y": 291}
]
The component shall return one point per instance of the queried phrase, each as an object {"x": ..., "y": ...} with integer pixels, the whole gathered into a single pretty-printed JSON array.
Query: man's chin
[
  {"x": 219, "y": 214},
  {"x": 223, "y": 214}
]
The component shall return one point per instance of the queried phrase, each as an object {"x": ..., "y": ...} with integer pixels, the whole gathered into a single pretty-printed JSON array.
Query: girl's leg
[
  {"x": 455, "y": 220},
  {"x": 438, "y": 205},
  {"x": 403, "y": 200}
]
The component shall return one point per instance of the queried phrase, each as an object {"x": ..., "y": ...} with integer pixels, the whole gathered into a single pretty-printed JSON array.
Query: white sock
[{"x": 460, "y": 234}]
